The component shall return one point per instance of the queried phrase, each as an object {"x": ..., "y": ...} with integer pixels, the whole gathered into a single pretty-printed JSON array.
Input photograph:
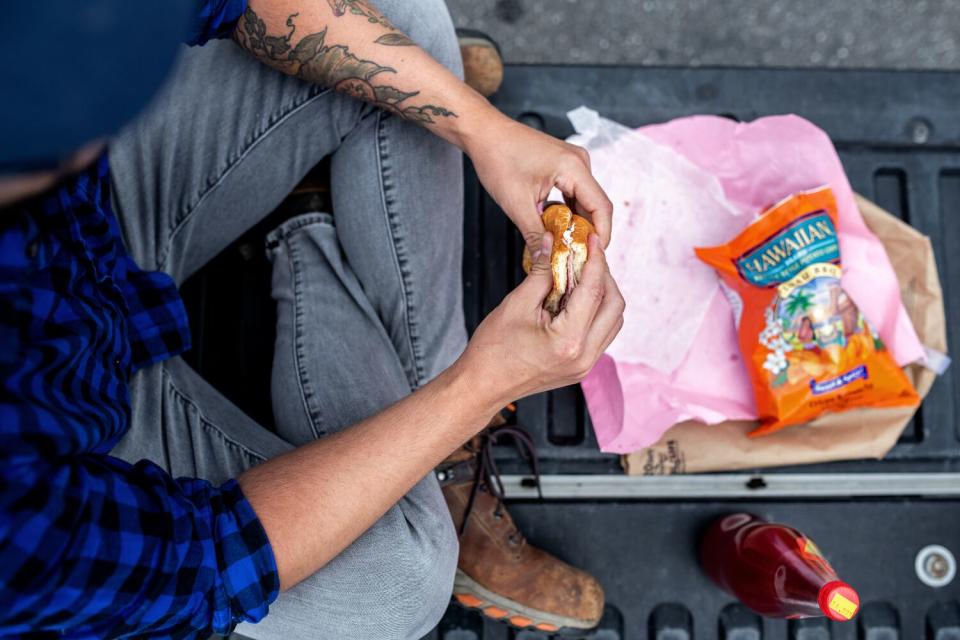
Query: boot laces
[{"x": 487, "y": 475}]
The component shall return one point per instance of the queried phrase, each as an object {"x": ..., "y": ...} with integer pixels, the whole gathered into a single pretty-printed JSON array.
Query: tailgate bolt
[
  {"x": 935, "y": 566},
  {"x": 920, "y": 130}
]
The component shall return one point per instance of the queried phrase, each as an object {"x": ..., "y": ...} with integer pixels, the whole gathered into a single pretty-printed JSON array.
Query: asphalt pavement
[{"x": 901, "y": 34}]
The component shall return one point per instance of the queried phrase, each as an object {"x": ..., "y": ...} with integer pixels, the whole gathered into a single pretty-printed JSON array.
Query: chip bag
[{"x": 807, "y": 348}]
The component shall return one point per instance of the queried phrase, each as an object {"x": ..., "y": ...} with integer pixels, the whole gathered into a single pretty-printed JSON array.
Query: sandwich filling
[
  {"x": 572, "y": 275},
  {"x": 567, "y": 256}
]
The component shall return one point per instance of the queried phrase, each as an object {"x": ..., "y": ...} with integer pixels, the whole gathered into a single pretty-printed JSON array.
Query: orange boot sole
[{"x": 471, "y": 595}]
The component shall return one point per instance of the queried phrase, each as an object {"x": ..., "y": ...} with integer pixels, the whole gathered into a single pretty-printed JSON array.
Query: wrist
[
  {"x": 474, "y": 129},
  {"x": 479, "y": 392}
]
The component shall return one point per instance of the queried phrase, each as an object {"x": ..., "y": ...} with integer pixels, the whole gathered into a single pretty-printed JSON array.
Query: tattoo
[
  {"x": 334, "y": 66},
  {"x": 360, "y": 8},
  {"x": 395, "y": 40}
]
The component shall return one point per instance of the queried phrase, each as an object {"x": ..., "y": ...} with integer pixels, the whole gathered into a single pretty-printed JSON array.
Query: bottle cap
[{"x": 838, "y": 601}]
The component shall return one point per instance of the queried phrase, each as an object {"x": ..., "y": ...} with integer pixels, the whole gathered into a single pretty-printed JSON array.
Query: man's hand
[
  {"x": 519, "y": 349},
  {"x": 317, "y": 499},
  {"x": 519, "y": 165}
]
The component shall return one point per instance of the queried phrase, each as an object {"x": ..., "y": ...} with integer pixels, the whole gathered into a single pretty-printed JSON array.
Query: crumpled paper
[
  {"x": 665, "y": 205},
  {"x": 693, "y": 447},
  {"x": 632, "y": 403}
]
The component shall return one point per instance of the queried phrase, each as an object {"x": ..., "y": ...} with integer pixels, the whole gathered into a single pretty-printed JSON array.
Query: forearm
[
  {"x": 314, "y": 501},
  {"x": 350, "y": 46}
]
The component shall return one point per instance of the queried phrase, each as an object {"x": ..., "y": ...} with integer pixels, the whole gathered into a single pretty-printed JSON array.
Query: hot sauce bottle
[{"x": 774, "y": 570}]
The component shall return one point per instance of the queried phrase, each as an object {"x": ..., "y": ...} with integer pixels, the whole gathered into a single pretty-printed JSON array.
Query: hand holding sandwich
[
  {"x": 521, "y": 348},
  {"x": 519, "y": 166},
  {"x": 315, "y": 500}
]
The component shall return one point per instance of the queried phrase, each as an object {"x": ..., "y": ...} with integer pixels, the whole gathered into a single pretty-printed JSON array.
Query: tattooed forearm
[
  {"x": 312, "y": 59},
  {"x": 256, "y": 39}
]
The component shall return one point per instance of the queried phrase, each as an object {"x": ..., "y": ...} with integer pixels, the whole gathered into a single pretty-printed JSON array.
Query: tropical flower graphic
[{"x": 772, "y": 338}]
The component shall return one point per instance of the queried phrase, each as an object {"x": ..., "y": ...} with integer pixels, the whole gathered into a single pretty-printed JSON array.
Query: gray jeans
[{"x": 368, "y": 302}]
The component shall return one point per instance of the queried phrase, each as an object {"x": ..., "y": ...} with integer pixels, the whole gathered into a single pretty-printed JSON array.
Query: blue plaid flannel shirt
[{"x": 91, "y": 546}]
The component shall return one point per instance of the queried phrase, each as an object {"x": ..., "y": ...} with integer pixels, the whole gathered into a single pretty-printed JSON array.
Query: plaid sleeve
[
  {"x": 107, "y": 549},
  {"x": 215, "y": 19}
]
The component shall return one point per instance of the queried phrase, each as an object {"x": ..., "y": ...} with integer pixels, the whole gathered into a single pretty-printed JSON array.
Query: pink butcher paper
[{"x": 757, "y": 163}]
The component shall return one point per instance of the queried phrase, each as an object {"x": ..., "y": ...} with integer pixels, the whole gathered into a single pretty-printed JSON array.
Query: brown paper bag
[{"x": 691, "y": 446}]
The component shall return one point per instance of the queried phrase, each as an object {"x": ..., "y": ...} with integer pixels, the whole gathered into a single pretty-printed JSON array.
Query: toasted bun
[{"x": 570, "y": 233}]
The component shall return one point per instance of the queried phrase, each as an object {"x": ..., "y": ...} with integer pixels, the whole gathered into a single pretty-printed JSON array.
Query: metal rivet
[
  {"x": 935, "y": 566},
  {"x": 920, "y": 130}
]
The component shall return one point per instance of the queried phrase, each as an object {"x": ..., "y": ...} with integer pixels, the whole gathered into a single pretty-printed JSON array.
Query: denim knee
[
  {"x": 430, "y": 580},
  {"x": 428, "y": 23}
]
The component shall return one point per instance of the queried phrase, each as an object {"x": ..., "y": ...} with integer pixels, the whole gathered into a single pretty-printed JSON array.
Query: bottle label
[
  {"x": 812, "y": 553},
  {"x": 842, "y": 605},
  {"x": 811, "y": 548}
]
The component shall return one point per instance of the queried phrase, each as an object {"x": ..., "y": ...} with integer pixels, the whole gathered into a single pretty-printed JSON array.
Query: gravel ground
[{"x": 903, "y": 34}]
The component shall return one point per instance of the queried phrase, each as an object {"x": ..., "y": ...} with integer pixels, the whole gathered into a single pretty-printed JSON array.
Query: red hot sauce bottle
[{"x": 774, "y": 570}]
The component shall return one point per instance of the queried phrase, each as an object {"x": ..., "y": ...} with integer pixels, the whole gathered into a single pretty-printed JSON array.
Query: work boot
[
  {"x": 499, "y": 572},
  {"x": 482, "y": 63}
]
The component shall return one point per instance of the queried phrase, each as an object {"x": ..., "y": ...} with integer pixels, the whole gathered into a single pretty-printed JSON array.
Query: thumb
[
  {"x": 531, "y": 227},
  {"x": 539, "y": 281}
]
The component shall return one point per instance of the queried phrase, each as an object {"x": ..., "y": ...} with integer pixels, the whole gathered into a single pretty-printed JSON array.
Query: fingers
[
  {"x": 530, "y": 225},
  {"x": 539, "y": 281},
  {"x": 608, "y": 321},
  {"x": 585, "y": 156},
  {"x": 588, "y": 198},
  {"x": 595, "y": 309},
  {"x": 572, "y": 203},
  {"x": 587, "y": 296}
]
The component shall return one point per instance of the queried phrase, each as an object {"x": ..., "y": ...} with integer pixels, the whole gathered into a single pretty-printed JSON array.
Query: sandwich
[{"x": 569, "y": 253}]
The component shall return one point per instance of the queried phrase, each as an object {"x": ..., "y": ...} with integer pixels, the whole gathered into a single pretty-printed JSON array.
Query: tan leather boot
[
  {"x": 482, "y": 64},
  {"x": 499, "y": 572}
]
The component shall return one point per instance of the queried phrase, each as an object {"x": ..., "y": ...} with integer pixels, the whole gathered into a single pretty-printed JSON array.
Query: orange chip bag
[{"x": 807, "y": 347}]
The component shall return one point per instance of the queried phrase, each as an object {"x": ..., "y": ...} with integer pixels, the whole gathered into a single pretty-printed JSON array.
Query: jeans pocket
[{"x": 283, "y": 231}]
